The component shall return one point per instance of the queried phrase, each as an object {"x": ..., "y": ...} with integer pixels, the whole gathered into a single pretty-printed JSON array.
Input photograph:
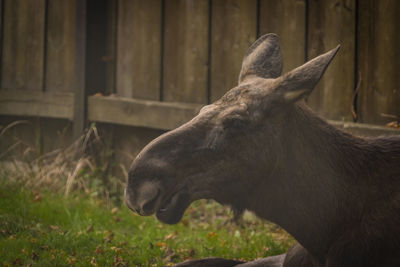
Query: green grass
[
  {"x": 48, "y": 229},
  {"x": 39, "y": 226}
]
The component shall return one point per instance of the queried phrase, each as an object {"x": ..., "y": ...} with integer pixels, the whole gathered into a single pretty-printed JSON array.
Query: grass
[
  {"x": 63, "y": 208},
  {"x": 47, "y": 229}
]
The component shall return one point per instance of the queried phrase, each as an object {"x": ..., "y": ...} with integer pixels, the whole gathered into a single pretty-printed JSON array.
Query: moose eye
[{"x": 234, "y": 122}]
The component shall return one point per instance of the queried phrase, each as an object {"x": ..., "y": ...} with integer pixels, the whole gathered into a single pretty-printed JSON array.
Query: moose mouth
[{"x": 171, "y": 210}]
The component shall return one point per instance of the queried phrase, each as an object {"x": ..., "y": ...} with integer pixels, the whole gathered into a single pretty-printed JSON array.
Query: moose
[{"x": 261, "y": 148}]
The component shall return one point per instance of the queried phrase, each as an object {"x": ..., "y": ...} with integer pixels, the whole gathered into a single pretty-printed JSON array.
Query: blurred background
[{"x": 125, "y": 71}]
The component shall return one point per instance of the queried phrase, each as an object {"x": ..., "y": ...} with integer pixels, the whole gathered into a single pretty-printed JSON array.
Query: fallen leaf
[
  {"x": 114, "y": 210},
  {"x": 71, "y": 261},
  {"x": 141, "y": 226},
  {"x": 185, "y": 222},
  {"x": 117, "y": 219},
  {"x": 211, "y": 235},
  {"x": 237, "y": 234},
  {"x": 170, "y": 255},
  {"x": 38, "y": 197},
  {"x": 266, "y": 249},
  {"x": 118, "y": 261},
  {"x": 99, "y": 250},
  {"x": 80, "y": 233},
  {"x": 109, "y": 237},
  {"x": 90, "y": 228},
  {"x": 117, "y": 250},
  {"x": 35, "y": 255},
  {"x": 55, "y": 227},
  {"x": 161, "y": 244},
  {"x": 123, "y": 243},
  {"x": 170, "y": 236},
  {"x": 93, "y": 261}
]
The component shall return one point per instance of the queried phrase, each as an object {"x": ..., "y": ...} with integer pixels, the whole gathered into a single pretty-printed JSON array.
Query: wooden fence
[{"x": 152, "y": 64}]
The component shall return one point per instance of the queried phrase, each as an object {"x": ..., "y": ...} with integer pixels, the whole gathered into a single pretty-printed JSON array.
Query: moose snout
[
  {"x": 128, "y": 202},
  {"x": 144, "y": 200}
]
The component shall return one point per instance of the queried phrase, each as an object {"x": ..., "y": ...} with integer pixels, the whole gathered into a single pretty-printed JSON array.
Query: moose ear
[
  {"x": 263, "y": 59},
  {"x": 300, "y": 82}
]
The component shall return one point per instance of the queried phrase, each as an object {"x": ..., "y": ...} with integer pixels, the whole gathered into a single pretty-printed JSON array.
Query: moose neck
[{"x": 312, "y": 181}]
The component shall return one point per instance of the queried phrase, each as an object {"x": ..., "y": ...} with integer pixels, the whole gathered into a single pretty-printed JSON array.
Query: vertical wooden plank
[
  {"x": 234, "y": 29},
  {"x": 139, "y": 49},
  {"x": 96, "y": 44},
  {"x": 23, "y": 44},
  {"x": 59, "y": 68},
  {"x": 80, "y": 63},
  {"x": 379, "y": 61},
  {"x": 111, "y": 41},
  {"x": 1, "y": 38},
  {"x": 61, "y": 34},
  {"x": 331, "y": 23},
  {"x": 185, "y": 51},
  {"x": 287, "y": 18}
]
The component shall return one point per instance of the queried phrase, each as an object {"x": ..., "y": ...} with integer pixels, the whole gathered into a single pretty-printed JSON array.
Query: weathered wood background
[{"x": 152, "y": 64}]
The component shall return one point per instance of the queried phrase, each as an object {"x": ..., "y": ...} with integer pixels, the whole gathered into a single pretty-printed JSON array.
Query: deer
[{"x": 261, "y": 148}]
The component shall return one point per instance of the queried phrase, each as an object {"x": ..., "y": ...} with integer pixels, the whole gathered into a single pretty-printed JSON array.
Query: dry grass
[{"x": 73, "y": 168}]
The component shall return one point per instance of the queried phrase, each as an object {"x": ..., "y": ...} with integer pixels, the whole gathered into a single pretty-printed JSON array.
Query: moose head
[{"x": 230, "y": 149}]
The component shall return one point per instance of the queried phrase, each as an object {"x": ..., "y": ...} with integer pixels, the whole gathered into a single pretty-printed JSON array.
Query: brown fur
[{"x": 261, "y": 148}]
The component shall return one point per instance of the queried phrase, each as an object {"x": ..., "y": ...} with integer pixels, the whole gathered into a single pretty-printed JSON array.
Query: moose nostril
[{"x": 148, "y": 207}]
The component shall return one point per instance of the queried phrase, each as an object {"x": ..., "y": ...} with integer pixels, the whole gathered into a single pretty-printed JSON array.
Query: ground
[{"x": 40, "y": 228}]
